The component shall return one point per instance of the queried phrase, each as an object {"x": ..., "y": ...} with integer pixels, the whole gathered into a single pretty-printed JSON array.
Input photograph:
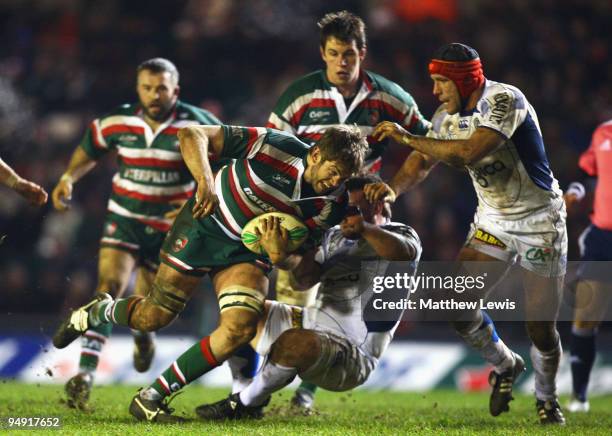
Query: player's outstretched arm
[
  {"x": 195, "y": 143},
  {"x": 80, "y": 164},
  {"x": 388, "y": 245},
  {"x": 29, "y": 190},
  {"x": 414, "y": 170},
  {"x": 455, "y": 152}
]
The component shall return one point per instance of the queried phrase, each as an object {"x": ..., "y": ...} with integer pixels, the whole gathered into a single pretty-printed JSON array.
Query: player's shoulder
[
  {"x": 604, "y": 128},
  {"x": 307, "y": 83},
  {"x": 383, "y": 84},
  {"x": 186, "y": 111},
  {"x": 497, "y": 92},
  {"x": 286, "y": 142}
]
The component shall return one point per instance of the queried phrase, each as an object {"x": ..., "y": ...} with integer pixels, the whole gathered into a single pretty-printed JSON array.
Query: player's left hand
[
  {"x": 388, "y": 129},
  {"x": 206, "y": 200},
  {"x": 31, "y": 191},
  {"x": 352, "y": 226},
  {"x": 274, "y": 238}
]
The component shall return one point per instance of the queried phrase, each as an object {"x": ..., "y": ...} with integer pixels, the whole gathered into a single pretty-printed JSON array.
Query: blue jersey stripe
[{"x": 530, "y": 148}]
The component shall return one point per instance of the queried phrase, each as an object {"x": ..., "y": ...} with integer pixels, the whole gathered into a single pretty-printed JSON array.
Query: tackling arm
[
  {"x": 388, "y": 245},
  {"x": 415, "y": 169},
  {"x": 455, "y": 152}
]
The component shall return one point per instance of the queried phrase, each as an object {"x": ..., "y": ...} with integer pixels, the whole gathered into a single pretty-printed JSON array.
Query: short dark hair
[
  {"x": 345, "y": 145},
  {"x": 358, "y": 181},
  {"x": 159, "y": 65},
  {"x": 456, "y": 52},
  {"x": 344, "y": 26}
]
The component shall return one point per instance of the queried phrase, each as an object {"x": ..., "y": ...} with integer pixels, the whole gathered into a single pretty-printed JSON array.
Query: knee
[
  {"x": 543, "y": 334},
  {"x": 296, "y": 348},
  {"x": 152, "y": 317},
  {"x": 239, "y": 332}
]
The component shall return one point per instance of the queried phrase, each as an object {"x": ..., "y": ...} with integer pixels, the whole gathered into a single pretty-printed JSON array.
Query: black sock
[{"x": 582, "y": 350}]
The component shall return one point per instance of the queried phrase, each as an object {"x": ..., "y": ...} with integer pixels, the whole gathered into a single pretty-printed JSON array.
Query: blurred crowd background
[{"x": 64, "y": 62}]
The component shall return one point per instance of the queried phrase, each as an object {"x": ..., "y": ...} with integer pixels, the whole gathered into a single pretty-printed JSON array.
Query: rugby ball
[{"x": 298, "y": 232}]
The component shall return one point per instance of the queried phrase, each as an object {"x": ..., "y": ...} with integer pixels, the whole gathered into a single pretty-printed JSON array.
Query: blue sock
[{"x": 582, "y": 350}]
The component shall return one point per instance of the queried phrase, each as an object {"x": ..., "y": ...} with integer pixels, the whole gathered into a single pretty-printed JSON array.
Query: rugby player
[
  {"x": 490, "y": 129},
  {"x": 594, "y": 286},
  {"x": 341, "y": 93},
  {"x": 329, "y": 344},
  {"x": 27, "y": 189},
  {"x": 151, "y": 185},
  {"x": 267, "y": 170}
]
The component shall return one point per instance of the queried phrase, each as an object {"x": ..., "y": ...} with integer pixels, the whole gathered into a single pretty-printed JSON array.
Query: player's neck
[
  {"x": 153, "y": 124},
  {"x": 347, "y": 90}
]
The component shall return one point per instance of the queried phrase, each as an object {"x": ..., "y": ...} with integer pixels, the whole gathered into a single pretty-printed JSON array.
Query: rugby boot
[
  {"x": 77, "y": 390},
  {"x": 153, "y": 410},
  {"x": 230, "y": 408},
  {"x": 76, "y": 324},
  {"x": 303, "y": 401},
  {"x": 501, "y": 395},
  {"x": 550, "y": 412},
  {"x": 143, "y": 356}
]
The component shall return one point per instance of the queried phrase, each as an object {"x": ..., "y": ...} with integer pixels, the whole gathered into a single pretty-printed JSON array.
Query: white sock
[
  {"x": 150, "y": 394},
  {"x": 271, "y": 378},
  {"x": 484, "y": 339},
  {"x": 545, "y": 366},
  {"x": 239, "y": 382}
]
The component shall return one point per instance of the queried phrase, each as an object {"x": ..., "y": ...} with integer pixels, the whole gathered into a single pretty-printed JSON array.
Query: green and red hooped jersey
[
  {"x": 311, "y": 104},
  {"x": 265, "y": 175},
  {"x": 152, "y": 173}
]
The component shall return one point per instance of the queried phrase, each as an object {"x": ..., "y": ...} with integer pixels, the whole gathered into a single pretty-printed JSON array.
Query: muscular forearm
[
  {"x": 455, "y": 152},
  {"x": 386, "y": 244},
  {"x": 194, "y": 144},
  {"x": 415, "y": 169},
  {"x": 8, "y": 176},
  {"x": 79, "y": 165}
]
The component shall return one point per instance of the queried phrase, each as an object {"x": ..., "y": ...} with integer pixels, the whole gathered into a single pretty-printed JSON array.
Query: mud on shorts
[
  {"x": 135, "y": 237},
  {"x": 197, "y": 246},
  {"x": 341, "y": 365},
  {"x": 538, "y": 242}
]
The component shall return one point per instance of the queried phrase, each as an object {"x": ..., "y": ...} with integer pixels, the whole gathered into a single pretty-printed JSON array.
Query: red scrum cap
[{"x": 461, "y": 64}]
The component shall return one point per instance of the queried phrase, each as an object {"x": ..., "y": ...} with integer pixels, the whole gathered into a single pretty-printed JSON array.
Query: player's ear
[
  {"x": 315, "y": 154},
  {"x": 362, "y": 53},
  {"x": 177, "y": 90}
]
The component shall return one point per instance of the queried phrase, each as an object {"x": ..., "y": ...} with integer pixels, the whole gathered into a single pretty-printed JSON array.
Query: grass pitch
[{"x": 355, "y": 413}]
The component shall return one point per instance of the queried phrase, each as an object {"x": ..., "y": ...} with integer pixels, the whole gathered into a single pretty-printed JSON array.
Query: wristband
[{"x": 577, "y": 189}]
